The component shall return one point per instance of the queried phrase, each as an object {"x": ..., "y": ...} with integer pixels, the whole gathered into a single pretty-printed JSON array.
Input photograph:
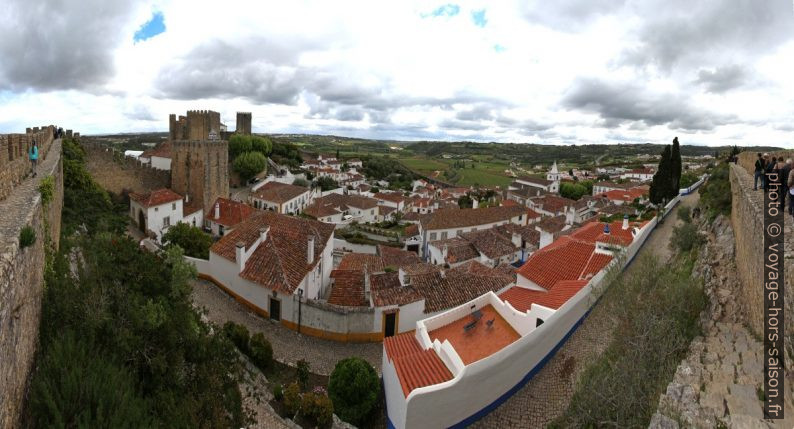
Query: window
[
  {"x": 167, "y": 221},
  {"x": 155, "y": 209},
  {"x": 444, "y": 235},
  {"x": 432, "y": 235},
  {"x": 520, "y": 217},
  {"x": 173, "y": 206}
]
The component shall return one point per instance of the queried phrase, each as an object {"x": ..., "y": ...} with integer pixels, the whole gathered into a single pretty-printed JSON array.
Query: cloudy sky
[{"x": 565, "y": 71}]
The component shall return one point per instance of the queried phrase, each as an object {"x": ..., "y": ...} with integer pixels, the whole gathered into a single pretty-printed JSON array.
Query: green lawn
[
  {"x": 424, "y": 165},
  {"x": 482, "y": 177}
]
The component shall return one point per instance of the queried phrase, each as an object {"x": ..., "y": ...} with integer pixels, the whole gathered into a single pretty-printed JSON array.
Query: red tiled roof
[
  {"x": 458, "y": 249},
  {"x": 553, "y": 203},
  {"x": 231, "y": 212},
  {"x": 191, "y": 207},
  {"x": 522, "y": 299},
  {"x": 357, "y": 261},
  {"x": 461, "y": 218},
  {"x": 280, "y": 263},
  {"x": 411, "y": 230},
  {"x": 394, "y": 257},
  {"x": 393, "y": 197},
  {"x": 532, "y": 214},
  {"x": 348, "y": 288},
  {"x": 279, "y": 192},
  {"x": 509, "y": 203},
  {"x": 387, "y": 290},
  {"x": 565, "y": 259},
  {"x": 155, "y": 198},
  {"x": 624, "y": 195},
  {"x": 552, "y": 224},
  {"x": 490, "y": 243},
  {"x": 415, "y": 367},
  {"x": 594, "y": 231}
]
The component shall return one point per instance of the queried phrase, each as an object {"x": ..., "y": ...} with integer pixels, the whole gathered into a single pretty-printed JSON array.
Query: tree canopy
[
  {"x": 249, "y": 164},
  {"x": 191, "y": 239}
]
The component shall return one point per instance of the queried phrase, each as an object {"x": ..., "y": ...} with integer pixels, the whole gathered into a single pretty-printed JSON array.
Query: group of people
[
  {"x": 33, "y": 152},
  {"x": 765, "y": 166}
]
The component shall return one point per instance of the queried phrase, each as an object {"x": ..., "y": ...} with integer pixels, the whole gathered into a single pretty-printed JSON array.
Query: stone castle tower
[
  {"x": 200, "y": 170},
  {"x": 243, "y": 123},
  {"x": 199, "y": 159},
  {"x": 197, "y": 125}
]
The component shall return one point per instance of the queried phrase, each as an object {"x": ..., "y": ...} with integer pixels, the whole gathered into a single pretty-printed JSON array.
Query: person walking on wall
[
  {"x": 33, "y": 155},
  {"x": 780, "y": 169},
  {"x": 769, "y": 168},
  {"x": 759, "y": 172}
]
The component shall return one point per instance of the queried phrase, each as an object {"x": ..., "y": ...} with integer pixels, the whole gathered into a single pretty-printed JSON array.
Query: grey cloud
[
  {"x": 60, "y": 44},
  {"x": 620, "y": 103},
  {"x": 706, "y": 32},
  {"x": 140, "y": 112},
  {"x": 477, "y": 113},
  {"x": 568, "y": 15},
  {"x": 722, "y": 79},
  {"x": 455, "y": 124}
]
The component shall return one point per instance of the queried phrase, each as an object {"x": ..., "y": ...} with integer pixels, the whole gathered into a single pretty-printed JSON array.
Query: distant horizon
[{"x": 448, "y": 141}]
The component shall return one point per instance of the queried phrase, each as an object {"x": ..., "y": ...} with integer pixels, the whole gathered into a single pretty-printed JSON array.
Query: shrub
[
  {"x": 261, "y": 352},
  {"x": 354, "y": 387},
  {"x": 319, "y": 407},
  {"x": 27, "y": 237},
  {"x": 685, "y": 237},
  {"x": 302, "y": 370},
  {"x": 76, "y": 384},
  {"x": 685, "y": 214},
  {"x": 46, "y": 189},
  {"x": 192, "y": 239},
  {"x": 278, "y": 392},
  {"x": 239, "y": 336},
  {"x": 715, "y": 194},
  {"x": 292, "y": 398}
]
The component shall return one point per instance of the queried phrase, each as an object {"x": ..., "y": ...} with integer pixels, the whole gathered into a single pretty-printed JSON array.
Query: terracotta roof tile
[
  {"x": 357, "y": 261},
  {"x": 522, "y": 299},
  {"x": 155, "y": 198},
  {"x": 280, "y": 263},
  {"x": 278, "y": 192},
  {"x": 387, "y": 290},
  {"x": 565, "y": 259},
  {"x": 594, "y": 231},
  {"x": 163, "y": 150},
  {"x": 230, "y": 212},
  {"x": 460, "y": 218},
  {"x": 490, "y": 243},
  {"x": 552, "y": 224},
  {"x": 415, "y": 367},
  {"x": 348, "y": 289},
  {"x": 394, "y": 257}
]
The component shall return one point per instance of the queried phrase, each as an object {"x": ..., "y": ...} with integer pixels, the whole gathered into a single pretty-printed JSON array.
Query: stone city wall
[
  {"x": 14, "y": 162},
  {"x": 22, "y": 269},
  {"x": 748, "y": 223},
  {"x": 116, "y": 173}
]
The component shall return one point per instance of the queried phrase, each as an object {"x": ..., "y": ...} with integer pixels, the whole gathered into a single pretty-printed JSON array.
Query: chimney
[
  {"x": 625, "y": 221},
  {"x": 516, "y": 239},
  {"x": 263, "y": 234},
  {"x": 240, "y": 256},
  {"x": 217, "y": 210},
  {"x": 187, "y": 198},
  {"x": 545, "y": 239},
  {"x": 367, "y": 287},
  {"x": 606, "y": 229},
  {"x": 310, "y": 250},
  {"x": 445, "y": 252}
]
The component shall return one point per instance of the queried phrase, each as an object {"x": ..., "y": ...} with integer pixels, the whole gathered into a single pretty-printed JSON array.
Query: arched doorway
[{"x": 141, "y": 221}]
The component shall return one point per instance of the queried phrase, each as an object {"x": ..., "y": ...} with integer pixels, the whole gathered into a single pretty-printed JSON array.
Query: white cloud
[{"x": 391, "y": 70}]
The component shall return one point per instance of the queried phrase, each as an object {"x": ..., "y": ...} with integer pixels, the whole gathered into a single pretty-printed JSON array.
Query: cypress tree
[
  {"x": 675, "y": 169},
  {"x": 662, "y": 180}
]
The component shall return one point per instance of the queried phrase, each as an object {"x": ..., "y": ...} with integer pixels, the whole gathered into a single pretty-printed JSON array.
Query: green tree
[
  {"x": 249, "y": 164},
  {"x": 354, "y": 387},
  {"x": 573, "y": 191},
  {"x": 675, "y": 169},
  {"x": 239, "y": 144},
  {"x": 661, "y": 184},
  {"x": 465, "y": 202},
  {"x": 326, "y": 183},
  {"x": 301, "y": 182},
  {"x": 191, "y": 239},
  {"x": 261, "y": 144}
]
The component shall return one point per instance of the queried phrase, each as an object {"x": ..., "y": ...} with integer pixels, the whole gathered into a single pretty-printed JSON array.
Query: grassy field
[
  {"x": 482, "y": 177},
  {"x": 424, "y": 165}
]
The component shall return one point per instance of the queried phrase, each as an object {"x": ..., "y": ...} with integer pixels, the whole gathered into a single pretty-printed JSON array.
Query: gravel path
[
  {"x": 288, "y": 345},
  {"x": 547, "y": 394}
]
